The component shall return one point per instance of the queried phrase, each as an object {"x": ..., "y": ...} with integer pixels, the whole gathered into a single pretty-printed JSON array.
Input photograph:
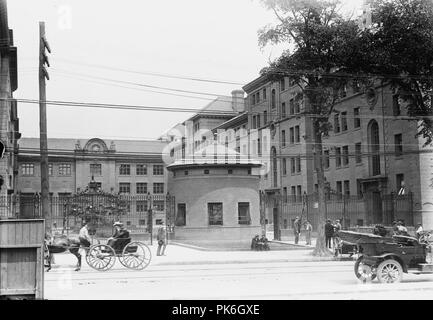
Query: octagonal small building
[{"x": 215, "y": 200}]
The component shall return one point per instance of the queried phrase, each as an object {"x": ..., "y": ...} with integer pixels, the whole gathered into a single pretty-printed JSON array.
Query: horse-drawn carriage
[
  {"x": 134, "y": 255},
  {"x": 387, "y": 257}
]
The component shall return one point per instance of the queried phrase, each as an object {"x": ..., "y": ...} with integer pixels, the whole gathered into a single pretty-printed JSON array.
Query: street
[{"x": 214, "y": 279}]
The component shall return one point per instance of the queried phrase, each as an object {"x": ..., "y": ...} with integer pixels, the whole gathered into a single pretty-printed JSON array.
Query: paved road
[{"x": 259, "y": 280}]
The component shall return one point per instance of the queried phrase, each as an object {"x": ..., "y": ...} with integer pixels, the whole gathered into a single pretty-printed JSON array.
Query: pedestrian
[
  {"x": 336, "y": 241},
  {"x": 419, "y": 230},
  {"x": 162, "y": 240},
  {"x": 84, "y": 237},
  {"x": 308, "y": 229},
  {"x": 329, "y": 232},
  {"x": 297, "y": 229}
]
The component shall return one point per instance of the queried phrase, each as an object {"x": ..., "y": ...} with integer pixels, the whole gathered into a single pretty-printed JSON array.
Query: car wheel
[
  {"x": 389, "y": 271},
  {"x": 363, "y": 271}
]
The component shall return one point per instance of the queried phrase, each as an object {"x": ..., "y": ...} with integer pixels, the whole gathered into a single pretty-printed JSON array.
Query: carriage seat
[{"x": 119, "y": 244}]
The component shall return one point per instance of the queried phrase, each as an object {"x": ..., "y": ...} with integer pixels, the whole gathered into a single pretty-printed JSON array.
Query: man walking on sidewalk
[
  {"x": 308, "y": 229},
  {"x": 162, "y": 240},
  {"x": 297, "y": 229}
]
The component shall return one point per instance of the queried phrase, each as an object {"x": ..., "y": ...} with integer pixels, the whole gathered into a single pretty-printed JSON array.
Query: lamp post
[{"x": 150, "y": 217}]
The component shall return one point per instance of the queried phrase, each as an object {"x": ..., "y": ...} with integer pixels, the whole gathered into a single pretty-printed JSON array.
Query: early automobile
[{"x": 388, "y": 257}]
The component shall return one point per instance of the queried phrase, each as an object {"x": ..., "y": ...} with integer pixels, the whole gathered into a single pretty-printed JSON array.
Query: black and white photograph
[{"x": 239, "y": 152}]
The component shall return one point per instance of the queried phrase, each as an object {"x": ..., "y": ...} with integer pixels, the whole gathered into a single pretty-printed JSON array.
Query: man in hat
[
  {"x": 329, "y": 232},
  {"x": 84, "y": 237},
  {"x": 297, "y": 229},
  {"x": 162, "y": 240},
  {"x": 119, "y": 233}
]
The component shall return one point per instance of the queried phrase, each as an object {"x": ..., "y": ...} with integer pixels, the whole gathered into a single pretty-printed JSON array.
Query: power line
[{"x": 157, "y": 74}]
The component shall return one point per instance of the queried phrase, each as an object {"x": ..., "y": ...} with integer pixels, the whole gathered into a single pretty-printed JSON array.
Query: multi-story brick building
[
  {"x": 121, "y": 167},
  {"x": 8, "y": 107},
  {"x": 371, "y": 150}
]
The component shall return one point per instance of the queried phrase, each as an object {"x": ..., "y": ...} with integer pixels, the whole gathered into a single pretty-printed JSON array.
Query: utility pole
[{"x": 43, "y": 74}]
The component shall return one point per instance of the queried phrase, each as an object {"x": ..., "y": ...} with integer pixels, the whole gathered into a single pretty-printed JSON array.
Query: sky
[{"x": 100, "y": 47}]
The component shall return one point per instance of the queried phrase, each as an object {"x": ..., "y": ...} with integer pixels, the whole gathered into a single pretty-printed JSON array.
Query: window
[
  {"x": 356, "y": 119},
  {"x": 327, "y": 162},
  {"x": 264, "y": 93},
  {"x": 50, "y": 169},
  {"x": 142, "y": 222},
  {"x": 299, "y": 194},
  {"x": 358, "y": 152},
  {"x": 293, "y": 165},
  {"x": 158, "y": 170},
  {"x": 283, "y": 138},
  {"x": 292, "y": 106},
  {"x": 316, "y": 188},
  {"x": 283, "y": 110},
  {"x": 396, "y": 108},
  {"x": 244, "y": 213},
  {"x": 27, "y": 169},
  {"x": 95, "y": 169},
  {"x": 297, "y": 105},
  {"x": 293, "y": 193},
  {"x": 292, "y": 135},
  {"x": 158, "y": 205},
  {"x": 284, "y": 166},
  {"x": 206, "y": 171},
  {"x": 265, "y": 117},
  {"x": 158, "y": 188},
  {"x": 345, "y": 155},
  {"x": 141, "y": 205},
  {"x": 347, "y": 187},
  {"x": 298, "y": 164},
  {"x": 282, "y": 84},
  {"x": 124, "y": 187},
  {"x": 186, "y": 173},
  {"x": 297, "y": 135},
  {"x": 159, "y": 222},
  {"x": 125, "y": 169},
  {"x": 215, "y": 212},
  {"x": 343, "y": 92},
  {"x": 254, "y": 124},
  {"x": 339, "y": 188},
  {"x": 398, "y": 145},
  {"x": 273, "y": 104},
  {"x": 64, "y": 169},
  {"x": 338, "y": 157},
  {"x": 336, "y": 123},
  {"x": 258, "y": 121},
  {"x": 356, "y": 86},
  {"x": 181, "y": 215},
  {"x": 141, "y": 170},
  {"x": 259, "y": 147},
  {"x": 141, "y": 188},
  {"x": 344, "y": 121},
  {"x": 230, "y": 171}
]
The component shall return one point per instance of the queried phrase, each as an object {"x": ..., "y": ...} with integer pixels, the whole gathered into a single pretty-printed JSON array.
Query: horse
[{"x": 60, "y": 244}]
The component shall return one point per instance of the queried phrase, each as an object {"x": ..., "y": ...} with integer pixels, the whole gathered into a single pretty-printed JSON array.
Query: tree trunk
[{"x": 321, "y": 250}]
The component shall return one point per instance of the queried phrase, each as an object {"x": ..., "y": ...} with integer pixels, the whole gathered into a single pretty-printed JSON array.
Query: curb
[
  {"x": 190, "y": 246},
  {"x": 206, "y": 262}
]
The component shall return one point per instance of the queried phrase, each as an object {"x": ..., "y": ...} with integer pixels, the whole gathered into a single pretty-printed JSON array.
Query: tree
[
  {"x": 325, "y": 46},
  {"x": 399, "y": 50},
  {"x": 329, "y": 51}
]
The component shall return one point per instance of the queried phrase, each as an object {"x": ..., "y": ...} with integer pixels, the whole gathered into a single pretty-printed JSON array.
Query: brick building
[{"x": 8, "y": 107}]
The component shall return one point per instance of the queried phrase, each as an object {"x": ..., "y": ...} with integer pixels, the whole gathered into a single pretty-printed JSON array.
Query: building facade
[
  {"x": 9, "y": 123},
  {"x": 125, "y": 167},
  {"x": 371, "y": 149}
]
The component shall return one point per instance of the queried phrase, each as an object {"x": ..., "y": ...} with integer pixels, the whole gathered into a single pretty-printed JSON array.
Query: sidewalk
[{"x": 182, "y": 255}]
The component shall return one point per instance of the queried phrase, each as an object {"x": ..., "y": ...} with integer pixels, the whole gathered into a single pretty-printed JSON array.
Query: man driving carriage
[{"x": 120, "y": 237}]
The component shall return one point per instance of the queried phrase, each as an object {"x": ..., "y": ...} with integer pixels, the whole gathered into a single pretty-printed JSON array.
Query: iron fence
[
  {"x": 352, "y": 211},
  {"x": 66, "y": 213}
]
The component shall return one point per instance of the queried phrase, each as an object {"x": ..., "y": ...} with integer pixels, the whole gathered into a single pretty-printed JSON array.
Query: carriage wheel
[
  {"x": 101, "y": 257},
  {"x": 389, "y": 271},
  {"x": 363, "y": 271},
  {"x": 136, "y": 256}
]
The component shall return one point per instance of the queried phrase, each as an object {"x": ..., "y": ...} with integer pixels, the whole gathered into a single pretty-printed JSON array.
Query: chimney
[{"x": 238, "y": 102}]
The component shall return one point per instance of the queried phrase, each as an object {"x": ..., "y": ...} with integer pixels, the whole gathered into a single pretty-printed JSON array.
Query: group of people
[
  {"x": 297, "y": 225},
  {"x": 260, "y": 244},
  {"x": 331, "y": 234},
  {"x": 121, "y": 232}
]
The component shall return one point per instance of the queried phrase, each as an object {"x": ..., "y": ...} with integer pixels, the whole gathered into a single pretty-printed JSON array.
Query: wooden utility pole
[{"x": 43, "y": 74}]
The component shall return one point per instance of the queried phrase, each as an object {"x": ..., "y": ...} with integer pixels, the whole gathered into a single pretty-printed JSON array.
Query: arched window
[
  {"x": 273, "y": 102},
  {"x": 374, "y": 147}
]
